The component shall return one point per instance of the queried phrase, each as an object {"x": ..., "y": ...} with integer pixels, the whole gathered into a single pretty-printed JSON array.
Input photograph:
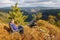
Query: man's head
[{"x": 12, "y": 21}]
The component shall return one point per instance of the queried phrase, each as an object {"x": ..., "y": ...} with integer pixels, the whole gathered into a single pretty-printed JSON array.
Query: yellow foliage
[
  {"x": 17, "y": 15},
  {"x": 51, "y": 32}
]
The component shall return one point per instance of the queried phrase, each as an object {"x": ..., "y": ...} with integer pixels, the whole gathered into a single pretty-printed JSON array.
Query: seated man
[
  {"x": 32, "y": 23},
  {"x": 14, "y": 28}
]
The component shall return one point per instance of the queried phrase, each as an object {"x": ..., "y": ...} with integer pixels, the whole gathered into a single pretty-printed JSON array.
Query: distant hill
[
  {"x": 6, "y": 9},
  {"x": 33, "y": 10}
]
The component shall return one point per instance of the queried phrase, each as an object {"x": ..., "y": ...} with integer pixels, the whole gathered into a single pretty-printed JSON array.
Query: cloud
[
  {"x": 30, "y": 3},
  {"x": 33, "y": 1},
  {"x": 44, "y": 3},
  {"x": 6, "y": 3}
]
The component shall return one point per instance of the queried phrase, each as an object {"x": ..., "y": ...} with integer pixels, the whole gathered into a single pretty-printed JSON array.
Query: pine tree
[
  {"x": 17, "y": 15},
  {"x": 37, "y": 16},
  {"x": 58, "y": 23}
]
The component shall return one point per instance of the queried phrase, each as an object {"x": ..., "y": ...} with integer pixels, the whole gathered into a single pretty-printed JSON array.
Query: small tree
[
  {"x": 37, "y": 16},
  {"x": 34, "y": 17},
  {"x": 58, "y": 23},
  {"x": 51, "y": 19},
  {"x": 17, "y": 15},
  {"x": 58, "y": 15}
]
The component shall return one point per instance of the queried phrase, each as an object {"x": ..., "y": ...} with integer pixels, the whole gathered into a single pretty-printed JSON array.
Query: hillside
[
  {"x": 42, "y": 31},
  {"x": 33, "y": 10}
]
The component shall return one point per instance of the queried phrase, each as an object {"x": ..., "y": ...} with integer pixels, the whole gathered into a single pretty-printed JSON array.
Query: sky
[{"x": 30, "y": 3}]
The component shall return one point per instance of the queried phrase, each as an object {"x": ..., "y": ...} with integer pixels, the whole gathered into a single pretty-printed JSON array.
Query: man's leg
[{"x": 21, "y": 29}]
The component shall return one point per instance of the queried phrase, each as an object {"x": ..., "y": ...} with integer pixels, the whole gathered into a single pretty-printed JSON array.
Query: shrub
[{"x": 17, "y": 15}]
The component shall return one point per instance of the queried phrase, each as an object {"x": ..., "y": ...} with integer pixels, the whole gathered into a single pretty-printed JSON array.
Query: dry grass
[{"x": 43, "y": 31}]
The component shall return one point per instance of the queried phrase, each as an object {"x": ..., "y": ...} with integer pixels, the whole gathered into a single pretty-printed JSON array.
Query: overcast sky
[{"x": 30, "y": 3}]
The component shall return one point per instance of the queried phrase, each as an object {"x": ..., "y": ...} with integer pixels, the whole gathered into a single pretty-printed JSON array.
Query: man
[{"x": 14, "y": 28}]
